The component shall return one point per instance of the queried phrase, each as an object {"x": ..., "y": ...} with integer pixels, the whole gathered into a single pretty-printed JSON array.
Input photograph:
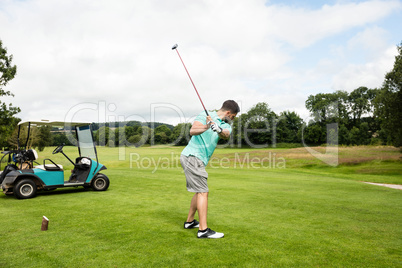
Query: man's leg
[
  {"x": 193, "y": 208},
  {"x": 202, "y": 207}
]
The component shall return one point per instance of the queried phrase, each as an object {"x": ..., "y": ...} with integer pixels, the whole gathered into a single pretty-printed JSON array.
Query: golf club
[{"x": 175, "y": 48}]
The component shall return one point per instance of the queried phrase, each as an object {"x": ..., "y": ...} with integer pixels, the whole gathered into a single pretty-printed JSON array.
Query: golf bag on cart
[{"x": 23, "y": 158}]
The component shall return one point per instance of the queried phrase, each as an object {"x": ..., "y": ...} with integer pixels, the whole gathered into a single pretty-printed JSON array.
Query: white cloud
[
  {"x": 72, "y": 52},
  {"x": 370, "y": 39},
  {"x": 371, "y": 74},
  {"x": 302, "y": 27}
]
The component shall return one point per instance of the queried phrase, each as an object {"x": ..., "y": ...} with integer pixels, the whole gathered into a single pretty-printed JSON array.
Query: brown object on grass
[{"x": 45, "y": 224}]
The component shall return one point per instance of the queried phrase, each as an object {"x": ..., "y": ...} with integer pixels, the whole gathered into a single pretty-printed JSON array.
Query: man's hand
[
  {"x": 216, "y": 128},
  {"x": 209, "y": 120}
]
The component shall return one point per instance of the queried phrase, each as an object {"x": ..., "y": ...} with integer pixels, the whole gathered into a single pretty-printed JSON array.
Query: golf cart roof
[{"x": 52, "y": 123}]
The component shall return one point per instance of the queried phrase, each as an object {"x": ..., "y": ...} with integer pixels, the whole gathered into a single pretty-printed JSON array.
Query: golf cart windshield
[{"x": 85, "y": 142}]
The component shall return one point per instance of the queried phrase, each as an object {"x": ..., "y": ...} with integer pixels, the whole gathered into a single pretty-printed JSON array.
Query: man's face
[{"x": 229, "y": 117}]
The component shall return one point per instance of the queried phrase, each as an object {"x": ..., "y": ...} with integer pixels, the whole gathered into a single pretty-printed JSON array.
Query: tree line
[{"x": 363, "y": 116}]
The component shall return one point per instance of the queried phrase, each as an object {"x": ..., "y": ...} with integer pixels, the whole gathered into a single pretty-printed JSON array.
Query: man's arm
[
  {"x": 225, "y": 134},
  {"x": 198, "y": 128}
]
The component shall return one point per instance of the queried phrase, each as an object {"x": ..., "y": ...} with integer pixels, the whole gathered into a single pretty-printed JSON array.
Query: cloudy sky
[{"x": 112, "y": 60}]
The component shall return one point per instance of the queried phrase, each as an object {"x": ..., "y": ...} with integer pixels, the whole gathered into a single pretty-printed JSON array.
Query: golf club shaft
[{"x": 192, "y": 82}]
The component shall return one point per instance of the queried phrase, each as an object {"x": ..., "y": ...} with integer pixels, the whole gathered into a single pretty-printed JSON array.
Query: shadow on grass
[{"x": 60, "y": 191}]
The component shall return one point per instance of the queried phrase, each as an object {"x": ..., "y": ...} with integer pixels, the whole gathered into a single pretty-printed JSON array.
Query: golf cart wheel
[
  {"x": 24, "y": 189},
  {"x": 100, "y": 183}
]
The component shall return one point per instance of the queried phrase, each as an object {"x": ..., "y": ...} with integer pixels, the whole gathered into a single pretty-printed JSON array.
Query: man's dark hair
[{"x": 231, "y": 106}]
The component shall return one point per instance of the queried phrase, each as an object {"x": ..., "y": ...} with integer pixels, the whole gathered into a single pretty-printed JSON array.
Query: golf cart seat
[
  {"x": 83, "y": 163},
  {"x": 50, "y": 167},
  {"x": 81, "y": 169}
]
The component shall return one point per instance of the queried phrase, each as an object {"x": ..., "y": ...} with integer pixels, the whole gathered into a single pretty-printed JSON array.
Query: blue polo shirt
[{"x": 203, "y": 146}]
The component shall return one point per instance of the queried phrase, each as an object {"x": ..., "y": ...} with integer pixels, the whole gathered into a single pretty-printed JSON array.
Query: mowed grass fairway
[{"x": 277, "y": 207}]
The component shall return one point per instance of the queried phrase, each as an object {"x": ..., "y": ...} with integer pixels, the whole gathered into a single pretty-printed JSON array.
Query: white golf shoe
[
  {"x": 208, "y": 233},
  {"x": 191, "y": 224}
]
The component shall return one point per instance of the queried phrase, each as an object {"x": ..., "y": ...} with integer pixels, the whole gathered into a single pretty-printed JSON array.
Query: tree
[
  {"x": 355, "y": 136},
  {"x": 7, "y": 120},
  {"x": 328, "y": 107},
  {"x": 135, "y": 140},
  {"x": 359, "y": 103},
  {"x": 314, "y": 134},
  {"x": 344, "y": 136},
  {"x": 13, "y": 139},
  {"x": 288, "y": 127},
  {"x": 181, "y": 134},
  {"x": 163, "y": 128},
  {"x": 389, "y": 102},
  {"x": 365, "y": 134},
  {"x": 325, "y": 108},
  {"x": 147, "y": 136},
  {"x": 44, "y": 138},
  {"x": 258, "y": 125},
  {"x": 162, "y": 134},
  {"x": 60, "y": 138},
  {"x": 102, "y": 135},
  {"x": 132, "y": 130}
]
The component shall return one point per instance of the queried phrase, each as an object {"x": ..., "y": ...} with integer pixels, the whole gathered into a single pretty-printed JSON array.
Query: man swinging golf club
[{"x": 206, "y": 130}]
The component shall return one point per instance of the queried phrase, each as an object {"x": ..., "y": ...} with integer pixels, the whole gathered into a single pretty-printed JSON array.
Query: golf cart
[{"x": 23, "y": 178}]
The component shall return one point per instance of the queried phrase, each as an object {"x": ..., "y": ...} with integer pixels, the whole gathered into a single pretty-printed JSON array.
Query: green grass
[{"x": 306, "y": 214}]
